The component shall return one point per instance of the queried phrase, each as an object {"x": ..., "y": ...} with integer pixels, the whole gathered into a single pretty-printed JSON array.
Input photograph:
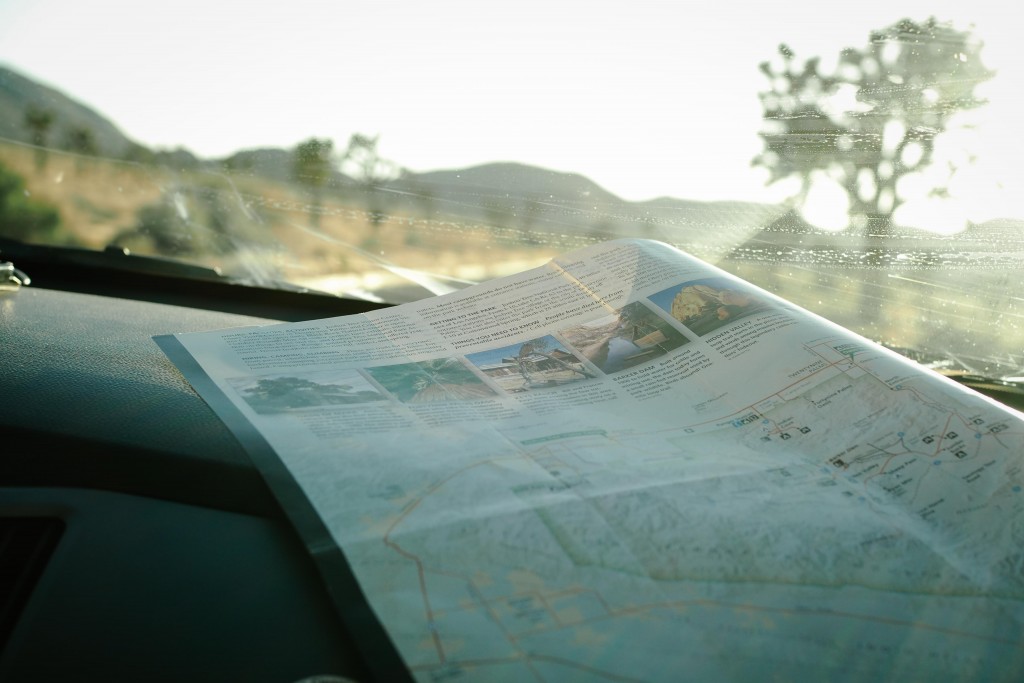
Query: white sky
[{"x": 646, "y": 98}]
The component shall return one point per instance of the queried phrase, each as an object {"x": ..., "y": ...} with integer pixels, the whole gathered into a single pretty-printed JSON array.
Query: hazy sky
[{"x": 646, "y": 98}]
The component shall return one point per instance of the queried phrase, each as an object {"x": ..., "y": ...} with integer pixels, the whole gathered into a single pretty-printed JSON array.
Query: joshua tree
[
  {"x": 38, "y": 121},
  {"x": 907, "y": 84},
  {"x": 364, "y": 163},
  {"x": 312, "y": 168}
]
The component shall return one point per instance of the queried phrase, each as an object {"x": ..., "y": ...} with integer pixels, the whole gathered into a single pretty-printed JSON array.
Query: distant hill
[
  {"x": 529, "y": 199},
  {"x": 18, "y": 94},
  {"x": 513, "y": 179},
  {"x": 505, "y": 195},
  {"x": 539, "y": 199}
]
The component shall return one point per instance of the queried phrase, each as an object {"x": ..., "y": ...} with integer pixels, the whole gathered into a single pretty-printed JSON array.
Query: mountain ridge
[
  {"x": 502, "y": 194},
  {"x": 20, "y": 93}
]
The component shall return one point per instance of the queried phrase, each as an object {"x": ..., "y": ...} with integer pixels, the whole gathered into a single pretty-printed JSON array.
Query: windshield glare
[{"x": 855, "y": 160}]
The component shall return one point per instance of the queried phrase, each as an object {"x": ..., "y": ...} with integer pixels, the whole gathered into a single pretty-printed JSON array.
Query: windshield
[{"x": 856, "y": 159}]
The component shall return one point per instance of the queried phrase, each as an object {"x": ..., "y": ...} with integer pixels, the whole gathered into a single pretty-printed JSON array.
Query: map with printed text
[
  {"x": 631, "y": 466},
  {"x": 585, "y": 555}
]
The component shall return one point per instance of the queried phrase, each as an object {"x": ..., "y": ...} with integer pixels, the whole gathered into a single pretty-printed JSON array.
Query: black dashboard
[{"x": 137, "y": 541}]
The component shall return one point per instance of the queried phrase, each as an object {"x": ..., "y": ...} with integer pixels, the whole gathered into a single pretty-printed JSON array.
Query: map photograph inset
[
  {"x": 441, "y": 379},
  {"x": 629, "y": 336},
  {"x": 541, "y": 363},
  {"x": 271, "y": 394},
  {"x": 705, "y": 305}
]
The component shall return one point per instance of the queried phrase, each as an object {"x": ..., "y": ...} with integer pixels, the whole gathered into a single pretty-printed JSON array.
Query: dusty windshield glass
[{"x": 856, "y": 160}]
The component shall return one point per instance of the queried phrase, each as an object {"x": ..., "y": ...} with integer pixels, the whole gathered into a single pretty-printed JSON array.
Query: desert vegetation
[{"x": 334, "y": 233}]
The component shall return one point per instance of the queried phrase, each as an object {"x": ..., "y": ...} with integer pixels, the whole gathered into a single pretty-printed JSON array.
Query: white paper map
[{"x": 751, "y": 494}]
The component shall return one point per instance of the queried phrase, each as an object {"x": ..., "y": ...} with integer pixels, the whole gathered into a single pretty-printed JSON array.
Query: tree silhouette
[
  {"x": 312, "y": 167},
  {"x": 81, "y": 140},
  {"x": 38, "y": 121},
  {"x": 363, "y": 162},
  {"x": 874, "y": 119}
]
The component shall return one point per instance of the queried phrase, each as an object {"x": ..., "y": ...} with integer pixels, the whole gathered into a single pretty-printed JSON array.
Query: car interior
[
  {"x": 854, "y": 160},
  {"x": 149, "y": 544}
]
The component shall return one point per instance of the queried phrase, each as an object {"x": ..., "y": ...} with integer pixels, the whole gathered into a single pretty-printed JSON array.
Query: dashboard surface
[{"x": 174, "y": 561}]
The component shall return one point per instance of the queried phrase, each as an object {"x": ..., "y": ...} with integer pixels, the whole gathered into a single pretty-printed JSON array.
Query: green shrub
[{"x": 22, "y": 217}]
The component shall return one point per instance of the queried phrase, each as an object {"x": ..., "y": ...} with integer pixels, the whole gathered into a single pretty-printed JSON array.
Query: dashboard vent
[{"x": 26, "y": 544}]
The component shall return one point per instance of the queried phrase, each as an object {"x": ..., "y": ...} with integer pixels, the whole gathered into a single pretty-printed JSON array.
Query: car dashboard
[{"x": 137, "y": 541}]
